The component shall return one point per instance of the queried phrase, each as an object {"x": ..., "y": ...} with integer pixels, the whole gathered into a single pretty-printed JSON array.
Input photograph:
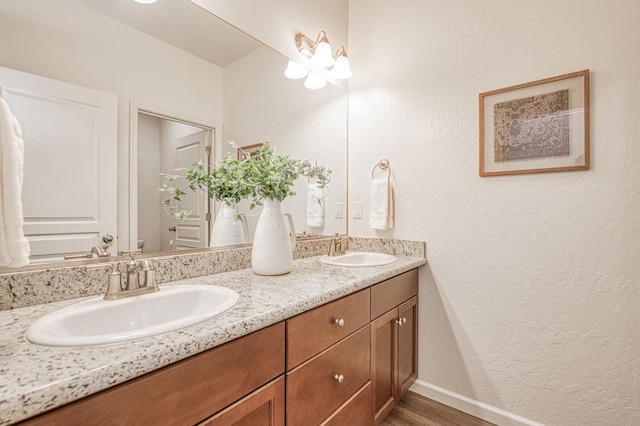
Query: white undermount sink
[
  {"x": 358, "y": 259},
  {"x": 97, "y": 321}
]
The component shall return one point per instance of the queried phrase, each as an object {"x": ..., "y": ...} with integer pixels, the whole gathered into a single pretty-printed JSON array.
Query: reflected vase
[
  {"x": 227, "y": 229},
  {"x": 273, "y": 241}
]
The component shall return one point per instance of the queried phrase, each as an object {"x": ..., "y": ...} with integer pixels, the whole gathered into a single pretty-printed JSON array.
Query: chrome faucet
[
  {"x": 132, "y": 281},
  {"x": 336, "y": 246},
  {"x": 100, "y": 251},
  {"x": 132, "y": 285}
]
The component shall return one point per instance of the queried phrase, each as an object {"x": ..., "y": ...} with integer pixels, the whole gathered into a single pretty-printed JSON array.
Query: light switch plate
[
  {"x": 338, "y": 210},
  {"x": 357, "y": 209}
]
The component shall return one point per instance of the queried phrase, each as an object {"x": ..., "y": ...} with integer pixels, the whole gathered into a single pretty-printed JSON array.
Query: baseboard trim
[{"x": 478, "y": 409}]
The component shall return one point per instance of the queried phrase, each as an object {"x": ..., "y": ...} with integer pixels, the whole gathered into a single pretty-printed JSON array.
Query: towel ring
[{"x": 383, "y": 165}]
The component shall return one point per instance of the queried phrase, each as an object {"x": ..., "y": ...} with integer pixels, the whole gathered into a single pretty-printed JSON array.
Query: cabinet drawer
[
  {"x": 392, "y": 292},
  {"x": 185, "y": 392},
  {"x": 313, "y": 392},
  {"x": 356, "y": 411},
  {"x": 312, "y": 332},
  {"x": 264, "y": 407}
]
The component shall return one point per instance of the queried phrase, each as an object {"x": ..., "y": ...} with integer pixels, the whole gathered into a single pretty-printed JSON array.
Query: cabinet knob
[
  {"x": 339, "y": 378},
  {"x": 339, "y": 322},
  {"x": 401, "y": 321}
]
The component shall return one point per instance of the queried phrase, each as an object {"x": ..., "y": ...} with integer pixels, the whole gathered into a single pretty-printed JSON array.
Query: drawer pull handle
[
  {"x": 339, "y": 378},
  {"x": 339, "y": 322},
  {"x": 401, "y": 321}
]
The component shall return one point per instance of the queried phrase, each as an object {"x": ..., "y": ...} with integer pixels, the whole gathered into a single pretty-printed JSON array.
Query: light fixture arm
[
  {"x": 342, "y": 51},
  {"x": 309, "y": 49}
]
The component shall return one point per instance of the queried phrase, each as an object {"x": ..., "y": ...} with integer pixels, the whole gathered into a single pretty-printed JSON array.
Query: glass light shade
[
  {"x": 145, "y": 1},
  {"x": 295, "y": 71},
  {"x": 315, "y": 81},
  {"x": 341, "y": 69},
  {"x": 323, "y": 56}
]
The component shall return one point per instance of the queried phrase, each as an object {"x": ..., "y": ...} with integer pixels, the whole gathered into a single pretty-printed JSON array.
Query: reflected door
[
  {"x": 192, "y": 232},
  {"x": 70, "y": 163}
]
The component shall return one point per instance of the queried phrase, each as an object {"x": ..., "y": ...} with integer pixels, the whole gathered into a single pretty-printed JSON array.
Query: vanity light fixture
[
  {"x": 319, "y": 54},
  {"x": 341, "y": 69},
  {"x": 145, "y": 1},
  {"x": 295, "y": 71},
  {"x": 315, "y": 81},
  {"x": 320, "y": 51}
]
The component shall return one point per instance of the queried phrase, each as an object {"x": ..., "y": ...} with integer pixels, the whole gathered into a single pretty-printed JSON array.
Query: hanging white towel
[
  {"x": 381, "y": 204},
  {"x": 14, "y": 247},
  {"x": 315, "y": 204}
]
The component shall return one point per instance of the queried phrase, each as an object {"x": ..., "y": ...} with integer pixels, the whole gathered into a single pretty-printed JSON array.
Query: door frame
[{"x": 135, "y": 108}]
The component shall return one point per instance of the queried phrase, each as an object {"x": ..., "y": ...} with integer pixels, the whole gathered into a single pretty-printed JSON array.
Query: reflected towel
[
  {"x": 381, "y": 202},
  {"x": 315, "y": 204},
  {"x": 14, "y": 247}
]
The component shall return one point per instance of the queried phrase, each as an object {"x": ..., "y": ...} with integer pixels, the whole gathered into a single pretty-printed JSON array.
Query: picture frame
[
  {"x": 248, "y": 150},
  {"x": 536, "y": 127}
]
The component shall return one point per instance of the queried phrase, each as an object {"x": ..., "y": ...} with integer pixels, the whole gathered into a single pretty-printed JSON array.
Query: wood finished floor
[{"x": 414, "y": 409}]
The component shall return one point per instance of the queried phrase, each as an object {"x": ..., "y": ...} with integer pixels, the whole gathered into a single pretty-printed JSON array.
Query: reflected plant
[
  {"x": 257, "y": 175},
  {"x": 272, "y": 175},
  {"x": 225, "y": 184}
]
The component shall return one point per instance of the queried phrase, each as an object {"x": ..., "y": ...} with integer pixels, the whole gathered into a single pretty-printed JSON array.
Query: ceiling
[{"x": 182, "y": 24}]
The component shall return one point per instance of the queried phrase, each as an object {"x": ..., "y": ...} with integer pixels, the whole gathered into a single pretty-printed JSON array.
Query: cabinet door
[
  {"x": 264, "y": 407},
  {"x": 407, "y": 345},
  {"x": 383, "y": 362}
]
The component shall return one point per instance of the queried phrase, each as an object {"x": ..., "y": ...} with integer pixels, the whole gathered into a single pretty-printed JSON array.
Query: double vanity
[{"x": 341, "y": 340}]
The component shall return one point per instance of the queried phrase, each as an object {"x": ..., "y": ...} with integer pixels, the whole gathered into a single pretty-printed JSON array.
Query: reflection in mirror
[
  {"x": 160, "y": 55},
  {"x": 164, "y": 145}
]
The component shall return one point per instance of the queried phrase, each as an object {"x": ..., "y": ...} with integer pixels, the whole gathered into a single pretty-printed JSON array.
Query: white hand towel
[
  {"x": 14, "y": 247},
  {"x": 381, "y": 204},
  {"x": 315, "y": 204}
]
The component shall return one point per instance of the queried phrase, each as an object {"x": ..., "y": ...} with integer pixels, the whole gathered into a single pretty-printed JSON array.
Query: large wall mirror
[{"x": 176, "y": 72}]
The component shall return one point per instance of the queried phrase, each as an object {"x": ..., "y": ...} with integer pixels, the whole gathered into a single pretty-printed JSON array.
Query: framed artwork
[
  {"x": 536, "y": 127},
  {"x": 247, "y": 150}
]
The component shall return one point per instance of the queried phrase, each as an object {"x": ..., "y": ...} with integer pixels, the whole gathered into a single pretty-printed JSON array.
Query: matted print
[{"x": 542, "y": 126}]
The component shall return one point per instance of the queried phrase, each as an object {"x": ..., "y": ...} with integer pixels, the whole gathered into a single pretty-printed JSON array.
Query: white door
[
  {"x": 192, "y": 232},
  {"x": 70, "y": 167}
]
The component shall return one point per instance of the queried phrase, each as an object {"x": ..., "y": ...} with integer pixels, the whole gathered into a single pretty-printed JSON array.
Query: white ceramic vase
[
  {"x": 228, "y": 230},
  {"x": 273, "y": 241}
]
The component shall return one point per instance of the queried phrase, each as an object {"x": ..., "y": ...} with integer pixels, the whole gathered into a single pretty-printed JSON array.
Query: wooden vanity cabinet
[
  {"x": 328, "y": 363},
  {"x": 193, "y": 389},
  {"x": 394, "y": 340},
  {"x": 347, "y": 362},
  {"x": 357, "y": 411},
  {"x": 264, "y": 407}
]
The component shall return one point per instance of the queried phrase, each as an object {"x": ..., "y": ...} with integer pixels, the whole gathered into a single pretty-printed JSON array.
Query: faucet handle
[
  {"x": 149, "y": 272},
  {"x": 114, "y": 287},
  {"x": 147, "y": 264}
]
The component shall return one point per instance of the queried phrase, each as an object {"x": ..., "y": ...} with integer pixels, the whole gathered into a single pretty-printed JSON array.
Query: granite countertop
[{"x": 34, "y": 378}]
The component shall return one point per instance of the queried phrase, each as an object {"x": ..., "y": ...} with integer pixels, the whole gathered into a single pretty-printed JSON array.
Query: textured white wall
[{"x": 531, "y": 303}]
